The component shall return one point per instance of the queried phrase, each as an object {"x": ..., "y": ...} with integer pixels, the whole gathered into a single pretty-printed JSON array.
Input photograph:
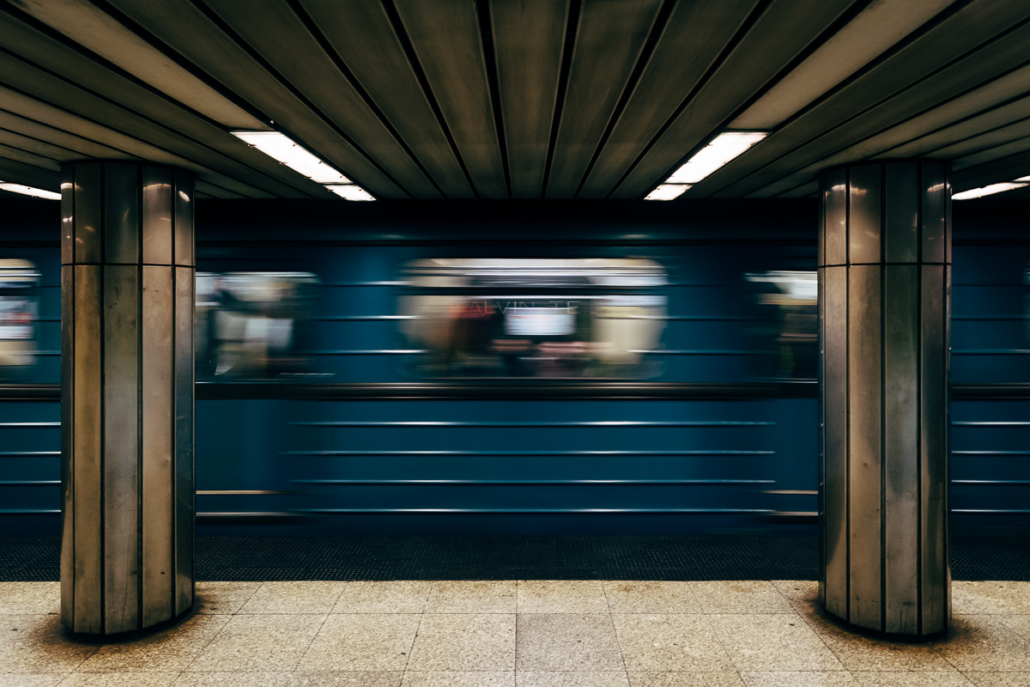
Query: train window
[
  {"x": 249, "y": 324},
  {"x": 786, "y": 326},
  {"x": 533, "y": 318},
  {"x": 19, "y": 313}
]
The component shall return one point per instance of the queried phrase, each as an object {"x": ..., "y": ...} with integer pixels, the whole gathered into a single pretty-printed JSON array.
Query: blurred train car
[
  {"x": 19, "y": 313},
  {"x": 373, "y": 372}
]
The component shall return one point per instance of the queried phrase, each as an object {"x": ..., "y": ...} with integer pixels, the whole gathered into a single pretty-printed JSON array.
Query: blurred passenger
[
  {"x": 787, "y": 326},
  {"x": 534, "y": 318},
  {"x": 248, "y": 323}
]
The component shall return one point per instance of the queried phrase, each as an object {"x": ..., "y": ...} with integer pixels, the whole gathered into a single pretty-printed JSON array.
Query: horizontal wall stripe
[
  {"x": 430, "y": 454},
  {"x": 584, "y": 424},
  {"x": 990, "y": 318},
  {"x": 243, "y": 492},
  {"x": 662, "y": 318},
  {"x": 531, "y": 511},
  {"x": 669, "y": 351},
  {"x": 29, "y": 454},
  {"x": 526, "y": 482},
  {"x": 990, "y": 453},
  {"x": 377, "y": 351},
  {"x": 429, "y": 391}
]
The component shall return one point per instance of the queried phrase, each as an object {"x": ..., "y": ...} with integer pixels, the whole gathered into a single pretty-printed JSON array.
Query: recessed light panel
[
  {"x": 986, "y": 190},
  {"x": 350, "y": 191},
  {"x": 280, "y": 147},
  {"x": 725, "y": 147},
  {"x": 296, "y": 157},
  {"x": 667, "y": 192},
  {"x": 29, "y": 191}
]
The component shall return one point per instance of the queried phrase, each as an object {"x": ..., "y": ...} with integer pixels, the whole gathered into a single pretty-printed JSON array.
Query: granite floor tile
[
  {"x": 723, "y": 678},
  {"x": 258, "y": 644},
  {"x": 20, "y": 680},
  {"x": 465, "y": 642},
  {"x": 362, "y": 642},
  {"x": 982, "y": 679},
  {"x": 294, "y": 597},
  {"x": 170, "y": 650},
  {"x": 984, "y": 643},
  {"x": 340, "y": 678},
  {"x": 671, "y": 642},
  {"x": 907, "y": 679},
  {"x": 54, "y": 654},
  {"x": 800, "y": 594},
  {"x": 896, "y": 679},
  {"x": 863, "y": 653},
  {"x": 773, "y": 642},
  {"x": 223, "y": 598},
  {"x": 816, "y": 678},
  {"x": 964, "y": 599},
  {"x": 651, "y": 597},
  {"x": 232, "y": 680},
  {"x": 120, "y": 679},
  {"x": 289, "y": 627},
  {"x": 1020, "y": 624},
  {"x": 30, "y": 597},
  {"x": 398, "y": 596},
  {"x": 817, "y": 619},
  {"x": 567, "y": 642},
  {"x": 561, "y": 596},
  {"x": 572, "y": 679},
  {"x": 473, "y": 596},
  {"x": 22, "y": 628},
  {"x": 740, "y": 596},
  {"x": 458, "y": 679},
  {"x": 991, "y": 597}
]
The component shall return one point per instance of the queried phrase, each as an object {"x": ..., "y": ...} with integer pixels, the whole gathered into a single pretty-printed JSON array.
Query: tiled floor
[{"x": 524, "y": 634}]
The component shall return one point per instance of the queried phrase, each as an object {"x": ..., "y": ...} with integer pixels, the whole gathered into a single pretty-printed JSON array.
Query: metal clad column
[
  {"x": 127, "y": 396},
  {"x": 884, "y": 292}
]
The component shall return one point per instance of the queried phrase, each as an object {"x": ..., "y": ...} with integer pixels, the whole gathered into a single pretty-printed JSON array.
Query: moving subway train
[{"x": 581, "y": 374}]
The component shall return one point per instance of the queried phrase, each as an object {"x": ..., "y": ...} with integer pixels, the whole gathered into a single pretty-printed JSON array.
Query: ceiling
[{"x": 492, "y": 99}]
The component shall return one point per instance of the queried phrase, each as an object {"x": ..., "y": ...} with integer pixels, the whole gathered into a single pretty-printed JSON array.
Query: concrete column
[
  {"x": 127, "y": 301},
  {"x": 884, "y": 313}
]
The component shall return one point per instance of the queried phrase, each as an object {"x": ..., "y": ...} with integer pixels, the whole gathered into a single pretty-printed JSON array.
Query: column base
[
  {"x": 133, "y": 634},
  {"x": 881, "y": 635}
]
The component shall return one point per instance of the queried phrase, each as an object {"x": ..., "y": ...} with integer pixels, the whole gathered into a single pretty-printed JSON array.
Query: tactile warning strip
[{"x": 706, "y": 557}]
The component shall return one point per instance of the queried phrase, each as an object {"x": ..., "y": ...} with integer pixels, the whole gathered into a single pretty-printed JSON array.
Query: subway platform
[{"x": 428, "y": 621}]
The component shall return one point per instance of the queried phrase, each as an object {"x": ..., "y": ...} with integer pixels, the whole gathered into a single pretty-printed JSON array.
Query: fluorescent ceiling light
[
  {"x": 29, "y": 191},
  {"x": 350, "y": 191},
  {"x": 1026, "y": 178},
  {"x": 986, "y": 190},
  {"x": 280, "y": 147},
  {"x": 721, "y": 150},
  {"x": 667, "y": 192}
]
